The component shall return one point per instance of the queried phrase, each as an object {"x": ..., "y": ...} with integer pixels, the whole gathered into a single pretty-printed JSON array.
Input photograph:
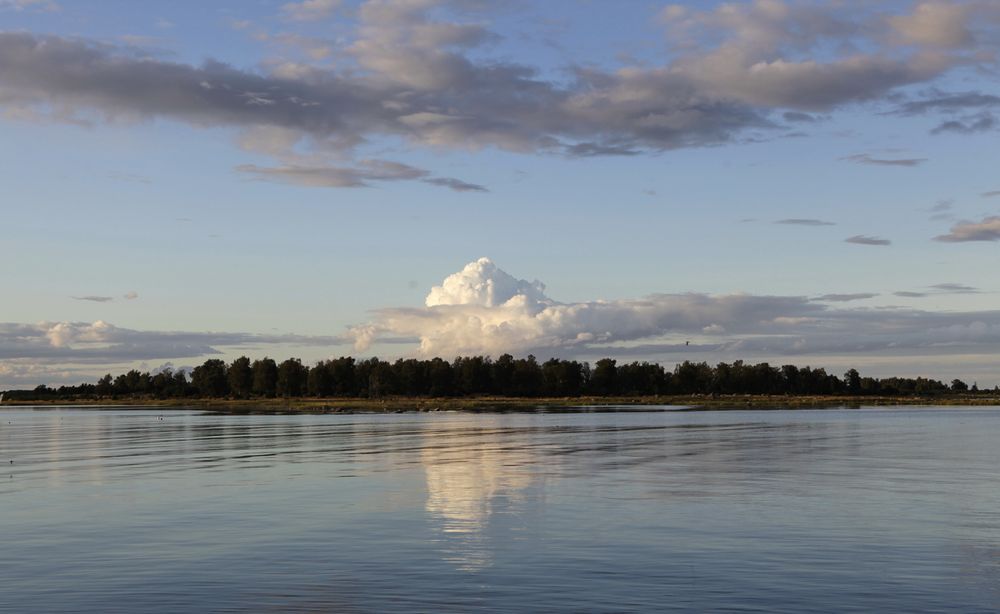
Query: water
[{"x": 780, "y": 511}]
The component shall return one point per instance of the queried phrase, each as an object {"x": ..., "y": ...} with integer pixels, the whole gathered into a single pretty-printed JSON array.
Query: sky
[{"x": 810, "y": 183}]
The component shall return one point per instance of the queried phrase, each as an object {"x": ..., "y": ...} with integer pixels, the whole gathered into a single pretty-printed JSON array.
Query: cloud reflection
[{"x": 477, "y": 482}]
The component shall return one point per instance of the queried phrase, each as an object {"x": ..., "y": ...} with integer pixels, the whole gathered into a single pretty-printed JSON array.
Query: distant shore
[{"x": 513, "y": 404}]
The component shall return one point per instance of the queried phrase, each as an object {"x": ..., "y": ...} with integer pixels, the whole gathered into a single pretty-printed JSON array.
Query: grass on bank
[{"x": 493, "y": 404}]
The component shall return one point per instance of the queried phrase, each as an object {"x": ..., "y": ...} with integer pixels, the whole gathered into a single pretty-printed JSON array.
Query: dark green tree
[
  {"x": 265, "y": 377},
  {"x": 241, "y": 378},
  {"x": 210, "y": 378},
  {"x": 320, "y": 380},
  {"x": 292, "y": 377},
  {"x": 852, "y": 380}
]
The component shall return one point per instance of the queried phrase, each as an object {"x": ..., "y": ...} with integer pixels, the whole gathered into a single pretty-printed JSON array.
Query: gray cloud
[
  {"x": 805, "y": 222},
  {"x": 986, "y": 230},
  {"x": 417, "y": 73},
  {"x": 951, "y": 103},
  {"x": 973, "y": 110},
  {"x": 587, "y": 150},
  {"x": 868, "y": 159},
  {"x": 798, "y": 116},
  {"x": 990, "y": 194},
  {"x": 101, "y": 342},
  {"x": 867, "y": 240},
  {"x": 843, "y": 298},
  {"x": 456, "y": 184},
  {"x": 942, "y": 288},
  {"x": 941, "y": 211},
  {"x": 982, "y": 122},
  {"x": 95, "y": 299},
  {"x": 954, "y": 288}
]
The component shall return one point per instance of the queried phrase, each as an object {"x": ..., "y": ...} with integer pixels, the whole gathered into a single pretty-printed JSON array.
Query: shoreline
[{"x": 514, "y": 404}]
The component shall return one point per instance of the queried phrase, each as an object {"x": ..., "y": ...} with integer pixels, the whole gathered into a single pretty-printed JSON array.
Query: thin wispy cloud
[
  {"x": 799, "y": 117},
  {"x": 968, "y": 112},
  {"x": 103, "y": 342},
  {"x": 990, "y": 194},
  {"x": 955, "y": 288},
  {"x": 129, "y": 177},
  {"x": 363, "y": 175},
  {"x": 867, "y": 240},
  {"x": 941, "y": 288},
  {"x": 942, "y": 211},
  {"x": 310, "y": 10},
  {"x": 456, "y": 184},
  {"x": 805, "y": 222},
  {"x": 870, "y": 160},
  {"x": 45, "y": 6},
  {"x": 95, "y": 299},
  {"x": 844, "y": 298}
]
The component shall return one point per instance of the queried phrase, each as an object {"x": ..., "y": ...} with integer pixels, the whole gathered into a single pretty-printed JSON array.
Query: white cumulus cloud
[{"x": 482, "y": 309}]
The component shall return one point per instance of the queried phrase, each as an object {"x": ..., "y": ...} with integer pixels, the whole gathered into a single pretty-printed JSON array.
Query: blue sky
[{"x": 293, "y": 178}]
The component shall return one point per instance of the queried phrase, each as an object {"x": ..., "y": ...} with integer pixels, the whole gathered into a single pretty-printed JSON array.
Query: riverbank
[{"x": 500, "y": 404}]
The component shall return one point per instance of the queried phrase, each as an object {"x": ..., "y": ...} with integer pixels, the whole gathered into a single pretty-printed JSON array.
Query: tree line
[{"x": 468, "y": 376}]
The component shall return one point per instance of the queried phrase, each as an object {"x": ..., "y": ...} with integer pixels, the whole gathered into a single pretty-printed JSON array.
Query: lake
[{"x": 871, "y": 510}]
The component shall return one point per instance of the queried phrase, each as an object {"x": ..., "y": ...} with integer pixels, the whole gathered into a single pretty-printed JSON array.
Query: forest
[{"x": 480, "y": 376}]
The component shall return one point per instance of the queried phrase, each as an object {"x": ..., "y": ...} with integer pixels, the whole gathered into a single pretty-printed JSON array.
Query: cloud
[
  {"x": 986, "y": 230},
  {"x": 941, "y": 211},
  {"x": 131, "y": 296},
  {"x": 934, "y": 23},
  {"x": 990, "y": 194},
  {"x": 336, "y": 177},
  {"x": 937, "y": 100},
  {"x": 483, "y": 284},
  {"x": 843, "y": 298},
  {"x": 971, "y": 112},
  {"x": 982, "y": 122},
  {"x": 310, "y": 10},
  {"x": 102, "y": 342},
  {"x": 798, "y": 116},
  {"x": 868, "y": 159},
  {"x": 942, "y": 288},
  {"x": 129, "y": 177},
  {"x": 360, "y": 176},
  {"x": 805, "y": 222},
  {"x": 421, "y": 74},
  {"x": 867, "y": 240},
  {"x": 95, "y": 299},
  {"x": 456, "y": 184},
  {"x": 484, "y": 310},
  {"x": 955, "y": 288},
  {"x": 45, "y": 6}
]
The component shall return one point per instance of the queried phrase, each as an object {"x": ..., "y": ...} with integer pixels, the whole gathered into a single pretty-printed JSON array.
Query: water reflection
[
  {"x": 475, "y": 475},
  {"x": 889, "y": 510}
]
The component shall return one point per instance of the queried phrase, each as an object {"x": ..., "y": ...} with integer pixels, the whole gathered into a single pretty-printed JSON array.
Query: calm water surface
[{"x": 779, "y": 511}]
